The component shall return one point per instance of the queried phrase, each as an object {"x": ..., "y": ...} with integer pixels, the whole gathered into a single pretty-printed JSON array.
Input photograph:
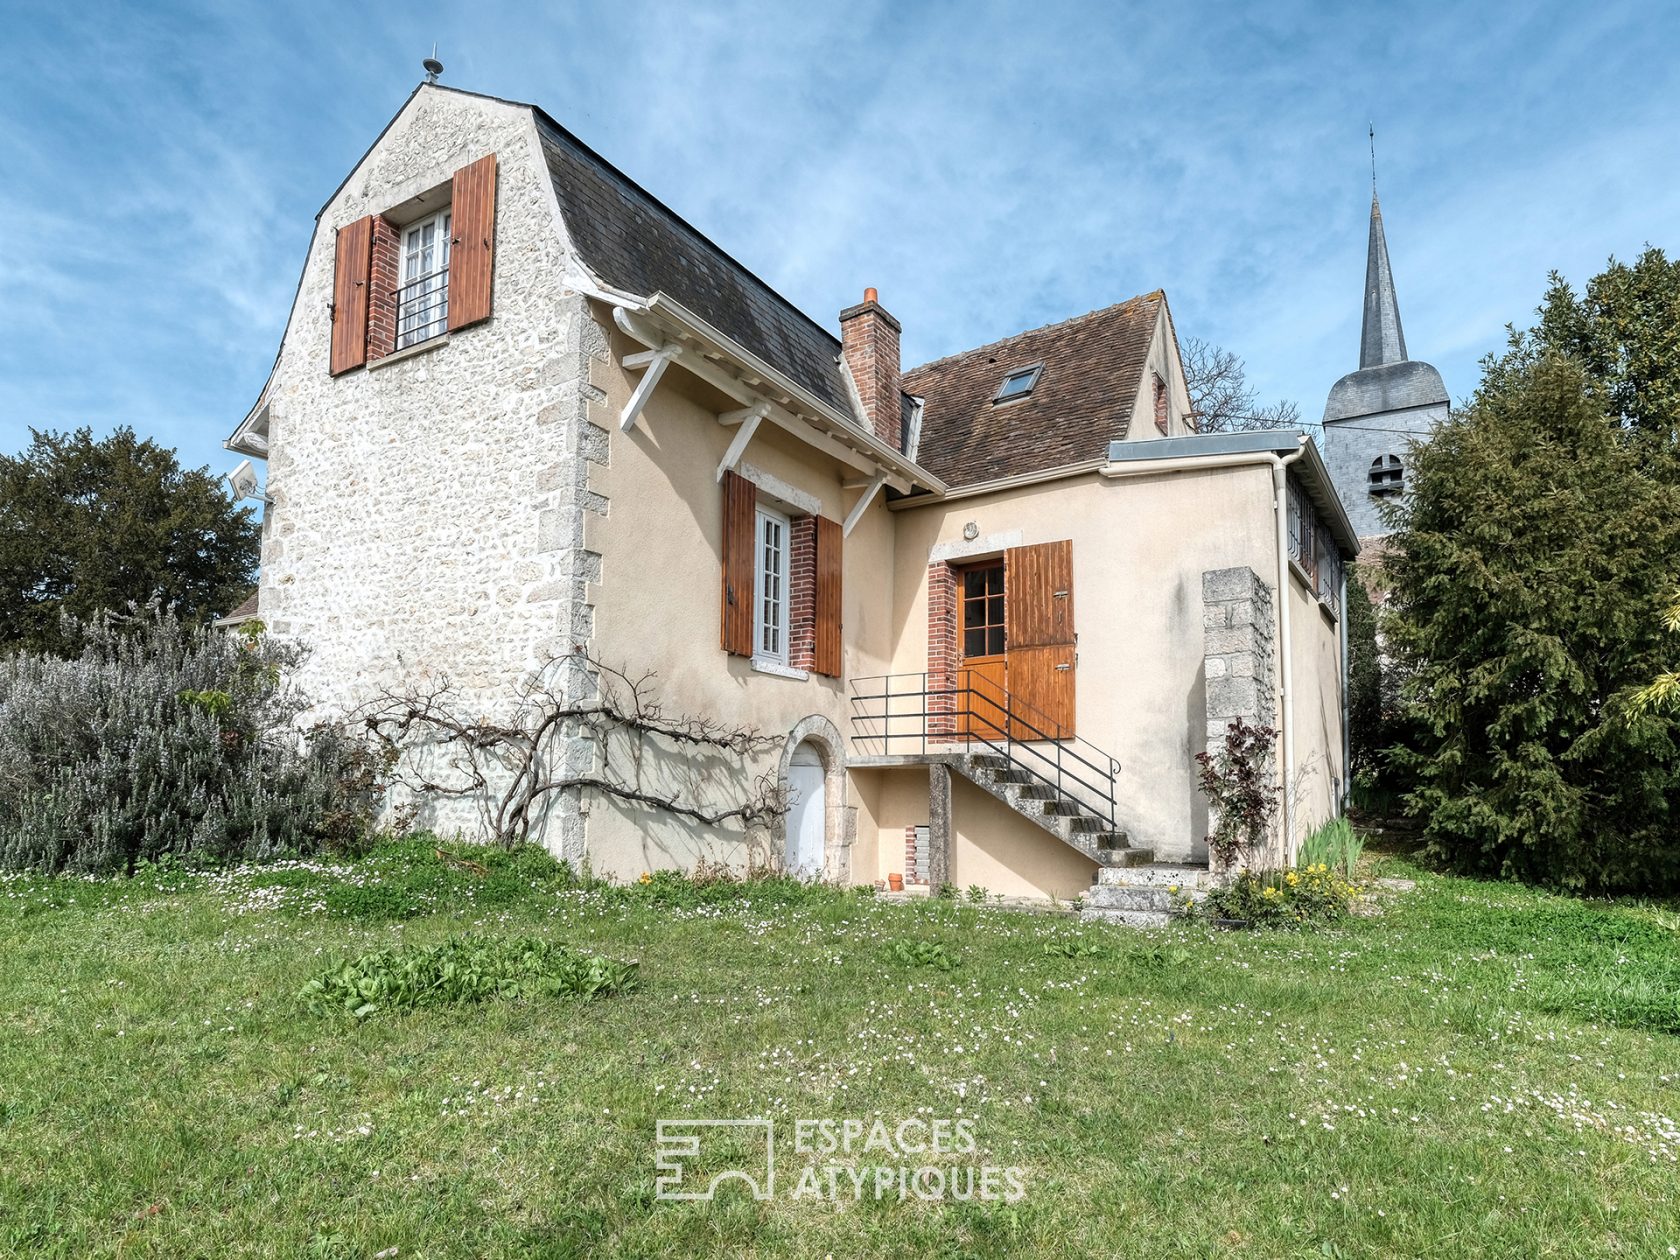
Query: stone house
[{"x": 986, "y": 609}]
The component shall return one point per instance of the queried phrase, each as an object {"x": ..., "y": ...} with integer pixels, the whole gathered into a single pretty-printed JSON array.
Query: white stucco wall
[
  {"x": 1140, "y": 546},
  {"x": 657, "y": 606}
]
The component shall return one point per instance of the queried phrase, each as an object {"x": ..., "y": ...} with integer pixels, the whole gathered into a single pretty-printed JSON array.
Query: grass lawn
[{"x": 1482, "y": 1071}]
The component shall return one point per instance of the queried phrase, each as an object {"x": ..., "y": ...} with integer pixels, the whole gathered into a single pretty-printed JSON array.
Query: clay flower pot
[{"x": 895, "y": 882}]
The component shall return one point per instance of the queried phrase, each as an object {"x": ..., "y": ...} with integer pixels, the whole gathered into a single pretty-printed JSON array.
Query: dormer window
[
  {"x": 1019, "y": 383},
  {"x": 423, "y": 295},
  {"x": 1387, "y": 475}
]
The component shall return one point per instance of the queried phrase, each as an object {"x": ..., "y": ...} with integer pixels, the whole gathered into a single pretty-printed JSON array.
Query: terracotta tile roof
[
  {"x": 246, "y": 609},
  {"x": 1081, "y": 402}
]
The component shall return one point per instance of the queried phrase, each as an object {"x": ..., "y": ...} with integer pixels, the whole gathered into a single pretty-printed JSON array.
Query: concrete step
[
  {"x": 1158, "y": 874},
  {"x": 1086, "y": 824},
  {"x": 1038, "y": 792},
  {"x": 1123, "y": 897},
  {"x": 1120, "y": 859},
  {"x": 988, "y": 761},
  {"x": 1130, "y": 918}
]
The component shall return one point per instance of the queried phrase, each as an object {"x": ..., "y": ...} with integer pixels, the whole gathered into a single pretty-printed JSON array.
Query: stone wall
[
  {"x": 1239, "y": 652},
  {"x": 426, "y": 512}
]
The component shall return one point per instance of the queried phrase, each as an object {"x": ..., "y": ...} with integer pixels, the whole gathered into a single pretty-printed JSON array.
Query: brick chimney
[{"x": 869, "y": 342}]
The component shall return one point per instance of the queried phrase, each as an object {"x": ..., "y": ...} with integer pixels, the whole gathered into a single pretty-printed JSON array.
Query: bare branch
[
  {"x": 509, "y": 766},
  {"x": 1221, "y": 398}
]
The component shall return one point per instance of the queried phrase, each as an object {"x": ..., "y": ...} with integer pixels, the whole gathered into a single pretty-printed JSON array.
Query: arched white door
[{"x": 807, "y": 814}]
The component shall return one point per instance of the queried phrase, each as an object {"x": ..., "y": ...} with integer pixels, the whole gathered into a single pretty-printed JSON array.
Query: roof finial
[
  {"x": 432, "y": 66},
  {"x": 1372, "y": 128}
]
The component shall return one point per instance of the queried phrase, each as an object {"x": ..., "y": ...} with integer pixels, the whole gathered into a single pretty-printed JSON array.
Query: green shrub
[
  {"x": 922, "y": 954},
  {"x": 464, "y": 969},
  {"x": 404, "y": 879},
  {"x": 1073, "y": 947},
  {"x": 1287, "y": 899},
  {"x": 1335, "y": 844},
  {"x": 718, "y": 886},
  {"x": 164, "y": 740}
]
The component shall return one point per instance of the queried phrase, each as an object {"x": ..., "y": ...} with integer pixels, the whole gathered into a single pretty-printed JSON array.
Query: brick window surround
[
  {"x": 942, "y": 648},
  {"x": 802, "y": 594},
  {"x": 383, "y": 279}
]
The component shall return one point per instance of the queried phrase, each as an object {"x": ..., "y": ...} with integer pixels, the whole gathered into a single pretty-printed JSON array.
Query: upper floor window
[
  {"x": 1019, "y": 383},
  {"x": 423, "y": 295},
  {"x": 770, "y": 594},
  {"x": 1387, "y": 475},
  {"x": 1161, "y": 410}
]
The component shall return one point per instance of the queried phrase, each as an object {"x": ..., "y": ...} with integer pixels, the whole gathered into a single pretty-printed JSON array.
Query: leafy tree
[
  {"x": 1370, "y": 690},
  {"x": 88, "y": 526},
  {"x": 1663, "y": 691},
  {"x": 1539, "y": 536},
  {"x": 1624, "y": 330},
  {"x": 1221, "y": 398}
]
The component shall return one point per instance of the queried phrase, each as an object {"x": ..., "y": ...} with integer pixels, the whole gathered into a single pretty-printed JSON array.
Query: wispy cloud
[{"x": 988, "y": 166}]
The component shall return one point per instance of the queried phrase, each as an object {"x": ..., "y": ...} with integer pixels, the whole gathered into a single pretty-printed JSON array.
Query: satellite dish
[{"x": 243, "y": 481}]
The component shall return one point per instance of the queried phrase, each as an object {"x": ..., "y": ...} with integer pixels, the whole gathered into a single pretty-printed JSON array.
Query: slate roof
[
  {"x": 1082, "y": 401},
  {"x": 633, "y": 242}
]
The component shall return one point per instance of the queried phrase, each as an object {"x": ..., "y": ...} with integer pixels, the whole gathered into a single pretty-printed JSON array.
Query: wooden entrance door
[{"x": 983, "y": 669}]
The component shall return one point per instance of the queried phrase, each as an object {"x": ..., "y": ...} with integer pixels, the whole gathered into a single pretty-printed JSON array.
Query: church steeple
[{"x": 1383, "y": 340}]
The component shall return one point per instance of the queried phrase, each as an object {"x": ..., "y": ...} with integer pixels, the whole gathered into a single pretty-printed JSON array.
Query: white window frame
[
  {"x": 411, "y": 332},
  {"x": 771, "y": 611}
]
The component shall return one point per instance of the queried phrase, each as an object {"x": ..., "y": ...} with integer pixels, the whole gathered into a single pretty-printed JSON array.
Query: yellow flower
[
  {"x": 1172, "y": 888},
  {"x": 1292, "y": 879},
  {"x": 646, "y": 878}
]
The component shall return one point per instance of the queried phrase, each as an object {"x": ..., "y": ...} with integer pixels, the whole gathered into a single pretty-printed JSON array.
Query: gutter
[
  {"x": 1347, "y": 731},
  {"x": 1261, "y": 454}
]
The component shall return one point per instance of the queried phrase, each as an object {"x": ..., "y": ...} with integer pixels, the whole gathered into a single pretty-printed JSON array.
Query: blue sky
[{"x": 988, "y": 167}]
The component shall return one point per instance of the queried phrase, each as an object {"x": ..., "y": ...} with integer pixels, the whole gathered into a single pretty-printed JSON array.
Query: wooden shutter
[
  {"x": 1039, "y": 634},
  {"x": 740, "y": 520},
  {"x": 472, "y": 243},
  {"x": 827, "y": 655},
  {"x": 352, "y": 258}
]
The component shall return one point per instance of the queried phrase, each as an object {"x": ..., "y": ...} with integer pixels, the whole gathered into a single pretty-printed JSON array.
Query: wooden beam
[
  {"x": 738, "y": 447},
  {"x": 756, "y": 412},
  {"x": 856, "y": 514},
  {"x": 650, "y": 380}
]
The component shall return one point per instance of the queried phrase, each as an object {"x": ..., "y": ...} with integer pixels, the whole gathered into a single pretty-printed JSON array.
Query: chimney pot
[{"x": 869, "y": 295}]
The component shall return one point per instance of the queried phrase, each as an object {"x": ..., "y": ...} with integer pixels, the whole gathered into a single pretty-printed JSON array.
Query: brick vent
[{"x": 916, "y": 854}]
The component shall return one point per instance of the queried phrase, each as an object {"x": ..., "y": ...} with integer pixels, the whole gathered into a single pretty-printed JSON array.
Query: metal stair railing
[{"x": 921, "y": 713}]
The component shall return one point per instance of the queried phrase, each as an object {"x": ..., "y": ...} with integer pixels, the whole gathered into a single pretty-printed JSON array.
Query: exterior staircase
[
  {"x": 1147, "y": 895},
  {"x": 1061, "y": 784},
  {"x": 1049, "y": 808}
]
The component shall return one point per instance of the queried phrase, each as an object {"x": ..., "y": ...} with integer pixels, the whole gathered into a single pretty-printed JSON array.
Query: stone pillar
[
  {"x": 1239, "y": 654},
  {"x": 939, "y": 826}
]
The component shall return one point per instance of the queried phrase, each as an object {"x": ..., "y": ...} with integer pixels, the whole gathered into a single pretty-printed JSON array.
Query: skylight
[{"x": 1019, "y": 383}]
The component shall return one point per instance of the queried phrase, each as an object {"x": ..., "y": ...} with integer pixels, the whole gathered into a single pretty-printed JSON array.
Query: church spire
[{"x": 1382, "y": 341}]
